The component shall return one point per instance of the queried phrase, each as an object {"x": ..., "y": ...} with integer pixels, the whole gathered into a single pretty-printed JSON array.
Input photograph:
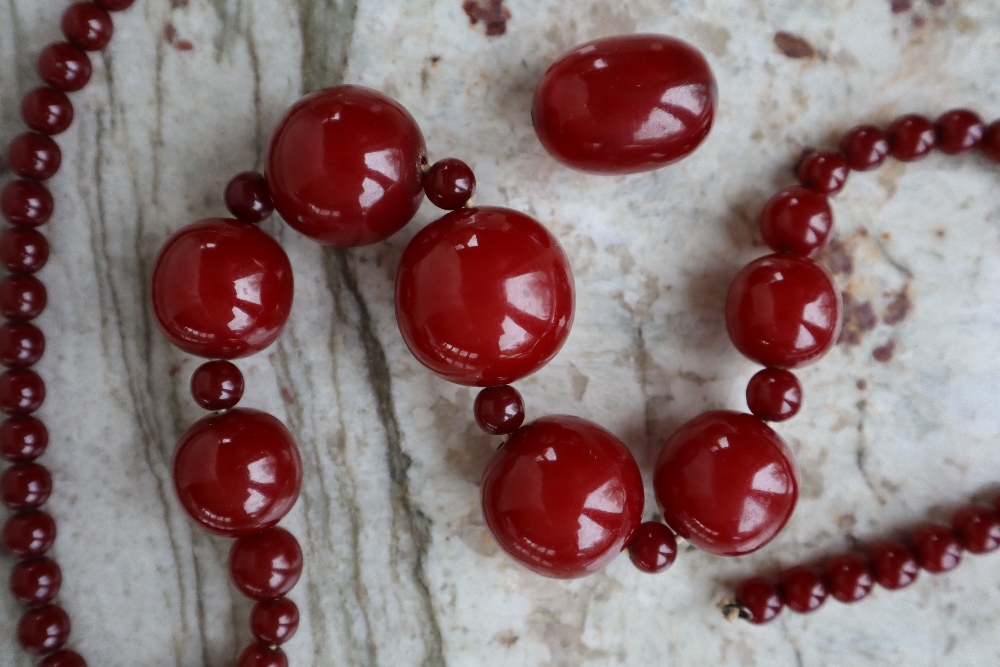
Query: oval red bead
[
  {"x": 653, "y": 548},
  {"x": 47, "y": 110},
  {"x": 266, "y": 565},
  {"x": 959, "y": 131},
  {"x": 43, "y": 629},
  {"x": 484, "y": 296},
  {"x": 761, "y": 597},
  {"x": 802, "y": 589},
  {"x": 25, "y": 486},
  {"x": 22, "y": 297},
  {"x": 23, "y": 250},
  {"x": 22, "y": 439},
  {"x": 22, "y": 391},
  {"x": 824, "y": 171},
  {"x": 222, "y": 288},
  {"x": 865, "y": 147},
  {"x": 64, "y": 66},
  {"x": 27, "y": 203},
  {"x": 911, "y": 138},
  {"x": 848, "y": 577},
  {"x": 344, "y": 166},
  {"x": 726, "y": 482},
  {"x": 36, "y": 581},
  {"x": 35, "y": 156},
  {"x": 977, "y": 528},
  {"x": 87, "y": 25},
  {"x": 274, "y": 622},
  {"x": 797, "y": 220},
  {"x": 784, "y": 311},
  {"x": 238, "y": 472},
  {"x": 893, "y": 564},
  {"x": 625, "y": 104},
  {"x": 936, "y": 548},
  {"x": 22, "y": 344},
  {"x": 563, "y": 496},
  {"x": 28, "y": 534}
]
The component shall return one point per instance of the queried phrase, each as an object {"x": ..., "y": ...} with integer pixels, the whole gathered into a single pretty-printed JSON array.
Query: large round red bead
[
  {"x": 563, "y": 496},
  {"x": 344, "y": 166},
  {"x": 237, "y": 473},
  {"x": 784, "y": 311},
  {"x": 625, "y": 104},
  {"x": 726, "y": 482},
  {"x": 222, "y": 289},
  {"x": 484, "y": 296}
]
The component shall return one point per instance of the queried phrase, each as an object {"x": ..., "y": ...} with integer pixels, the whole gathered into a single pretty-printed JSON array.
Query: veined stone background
[{"x": 900, "y": 423}]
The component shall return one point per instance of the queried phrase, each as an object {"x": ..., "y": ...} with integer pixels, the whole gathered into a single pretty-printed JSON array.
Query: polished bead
[
  {"x": 22, "y": 439},
  {"x": 936, "y": 548},
  {"x": 114, "y": 5},
  {"x": 265, "y": 566},
  {"x": 238, "y": 472},
  {"x": 344, "y": 166},
  {"x": 911, "y": 137},
  {"x": 248, "y": 198},
  {"x": 23, "y": 250},
  {"x": 761, "y": 597},
  {"x": 959, "y": 131},
  {"x": 977, "y": 528},
  {"x": 823, "y": 171},
  {"x": 64, "y": 658},
  {"x": 64, "y": 66},
  {"x": 774, "y": 394},
  {"x": 784, "y": 311},
  {"x": 865, "y": 147},
  {"x": 22, "y": 297},
  {"x": 563, "y": 496},
  {"x": 797, "y": 220},
  {"x": 21, "y": 344},
  {"x": 35, "y": 581},
  {"x": 848, "y": 577},
  {"x": 893, "y": 564},
  {"x": 726, "y": 482},
  {"x": 26, "y": 203},
  {"x": 653, "y": 548},
  {"x": 625, "y": 104},
  {"x": 262, "y": 655},
  {"x": 34, "y": 155},
  {"x": 802, "y": 588},
  {"x": 47, "y": 110},
  {"x": 25, "y": 486},
  {"x": 87, "y": 25},
  {"x": 222, "y": 288},
  {"x": 43, "y": 629},
  {"x": 217, "y": 385},
  {"x": 29, "y": 534},
  {"x": 991, "y": 142},
  {"x": 274, "y": 622},
  {"x": 499, "y": 410},
  {"x": 484, "y": 296},
  {"x": 450, "y": 184},
  {"x": 22, "y": 391}
]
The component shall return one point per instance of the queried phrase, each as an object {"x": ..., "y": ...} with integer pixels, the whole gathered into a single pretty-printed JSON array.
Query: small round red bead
[
  {"x": 248, "y": 198},
  {"x": 47, "y": 110},
  {"x": 802, "y": 588},
  {"x": 824, "y": 171},
  {"x": 893, "y": 564},
  {"x": 848, "y": 577},
  {"x": 865, "y": 147},
  {"x": 774, "y": 394},
  {"x": 653, "y": 548},
  {"x": 959, "y": 131},
  {"x": 991, "y": 142},
  {"x": 64, "y": 658},
  {"x": 35, "y": 156},
  {"x": 26, "y": 203},
  {"x": 217, "y": 385},
  {"x": 25, "y": 486},
  {"x": 760, "y": 596},
  {"x": 274, "y": 622},
  {"x": 797, "y": 220},
  {"x": 22, "y": 297},
  {"x": 262, "y": 655},
  {"x": 114, "y": 5},
  {"x": 499, "y": 410},
  {"x": 267, "y": 565},
  {"x": 23, "y": 250},
  {"x": 87, "y": 25},
  {"x": 936, "y": 548},
  {"x": 977, "y": 528},
  {"x": 28, "y": 534},
  {"x": 64, "y": 66},
  {"x": 22, "y": 439},
  {"x": 450, "y": 184},
  {"x": 911, "y": 137},
  {"x": 22, "y": 391},
  {"x": 21, "y": 344},
  {"x": 35, "y": 581},
  {"x": 43, "y": 629}
]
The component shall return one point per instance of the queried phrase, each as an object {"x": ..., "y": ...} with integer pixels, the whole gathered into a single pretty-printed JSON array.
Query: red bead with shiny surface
[
  {"x": 562, "y": 496},
  {"x": 248, "y": 198},
  {"x": 22, "y": 297},
  {"x": 35, "y": 582},
  {"x": 21, "y": 344},
  {"x": 484, "y": 296},
  {"x": 217, "y": 385},
  {"x": 865, "y": 147},
  {"x": 802, "y": 589},
  {"x": 26, "y": 203},
  {"x": 63, "y": 658},
  {"x": 366, "y": 144},
  {"x": 797, "y": 220},
  {"x": 43, "y": 629},
  {"x": 936, "y": 548},
  {"x": 222, "y": 288},
  {"x": 977, "y": 528},
  {"x": 499, "y": 410},
  {"x": 261, "y": 655},
  {"x": 22, "y": 439},
  {"x": 911, "y": 138},
  {"x": 64, "y": 66},
  {"x": 625, "y": 104},
  {"x": 653, "y": 548},
  {"x": 784, "y": 311},
  {"x": 87, "y": 25},
  {"x": 238, "y": 472},
  {"x": 35, "y": 156},
  {"x": 726, "y": 482},
  {"x": 761, "y": 598},
  {"x": 450, "y": 184},
  {"x": 28, "y": 534},
  {"x": 22, "y": 391},
  {"x": 774, "y": 394},
  {"x": 959, "y": 131},
  {"x": 274, "y": 622},
  {"x": 267, "y": 565},
  {"x": 848, "y": 577},
  {"x": 47, "y": 110},
  {"x": 114, "y": 5},
  {"x": 25, "y": 486},
  {"x": 824, "y": 171},
  {"x": 23, "y": 250},
  {"x": 893, "y": 564},
  {"x": 991, "y": 142}
]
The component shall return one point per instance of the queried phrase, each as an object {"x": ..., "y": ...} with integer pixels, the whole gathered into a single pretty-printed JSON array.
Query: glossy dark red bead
[
  {"x": 266, "y": 565},
  {"x": 824, "y": 171},
  {"x": 22, "y": 297},
  {"x": 43, "y": 629},
  {"x": 22, "y": 391},
  {"x": 484, "y": 296},
  {"x": 991, "y": 142},
  {"x": 35, "y": 581},
  {"x": 911, "y": 137},
  {"x": 849, "y": 577},
  {"x": 774, "y": 394},
  {"x": 64, "y": 658},
  {"x": 893, "y": 564},
  {"x": 760, "y": 596},
  {"x": 248, "y": 198},
  {"x": 238, "y": 472},
  {"x": 21, "y": 344},
  {"x": 262, "y": 655},
  {"x": 25, "y": 486},
  {"x": 802, "y": 588},
  {"x": 797, "y": 220},
  {"x": 936, "y": 548},
  {"x": 562, "y": 496},
  {"x": 959, "y": 131},
  {"x": 22, "y": 439},
  {"x": 362, "y": 141},
  {"x": 784, "y": 311},
  {"x": 865, "y": 147},
  {"x": 23, "y": 250},
  {"x": 221, "y": 289},
  {"x": 26, "y": 203},
  {"x": 29, "y": 534},
  {"x": 35, "y": 156},
  {"x": 114, "y": 5},
  {"x": 274, "y": 622},
  {"x": 450, "y": 184},
  {"x": 217, "y": 385},
  {"x": 64, "y": 66},
  {"x": 653, "y": 548},
  {"x": 977, "y": 528},
  {"x": 625, "y": 104},
  {"x": 726, "y": 482},
  {"x": 87, "y": 25},
  {"x": 499, "y": 410},
  {"x": 47, "y": 110}
]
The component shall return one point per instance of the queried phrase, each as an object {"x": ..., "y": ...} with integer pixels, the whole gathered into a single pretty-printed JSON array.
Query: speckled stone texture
[{"x": 900, "y": 422}]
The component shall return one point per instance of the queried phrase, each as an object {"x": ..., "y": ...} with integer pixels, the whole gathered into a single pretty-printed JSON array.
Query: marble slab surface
[{"x": 900, "y": 424}]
